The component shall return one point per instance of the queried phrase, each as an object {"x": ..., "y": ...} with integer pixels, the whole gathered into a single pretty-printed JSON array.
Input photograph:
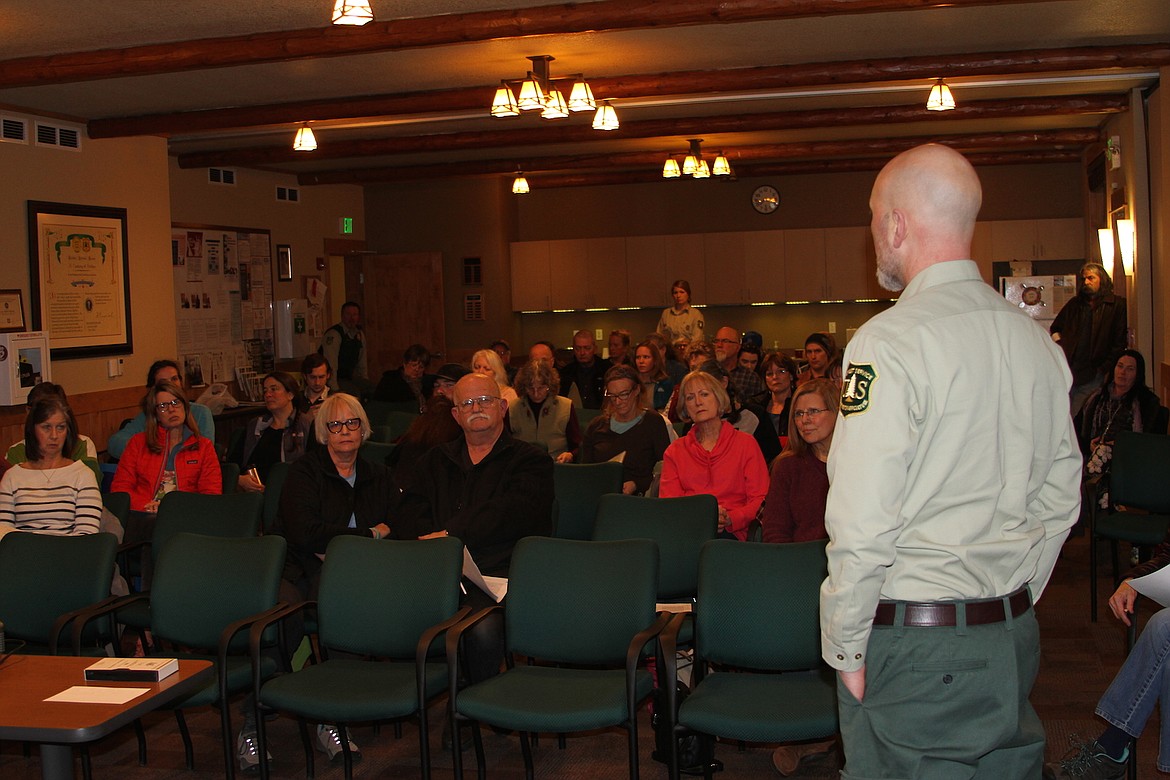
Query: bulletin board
[{"x": 223, "y": 301}]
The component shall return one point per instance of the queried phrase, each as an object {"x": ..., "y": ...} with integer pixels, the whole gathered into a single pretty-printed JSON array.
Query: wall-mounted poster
[{"x": 80, "y": 279}]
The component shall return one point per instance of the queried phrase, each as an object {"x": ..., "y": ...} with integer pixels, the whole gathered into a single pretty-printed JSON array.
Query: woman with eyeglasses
[
  {"x": 779, "y": 373},
  {"x": 170, "y": 454},
  {"x": 281, "y": 434},
  {"x": 714, "y": 458},
  {"x": 626, "y": 427},
  {"x": 543, "y": 417},
  {"x": 795, "y": 508}
]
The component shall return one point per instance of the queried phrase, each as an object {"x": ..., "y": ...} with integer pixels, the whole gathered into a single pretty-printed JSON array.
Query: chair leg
[
  {"x": 1092, "y": 575},
  {"x": 262, "y": 744},
  {"x": 424, "y": 742},
  {"x": 1114, "y": 548},
  {"x": 526, "y": 749},
  {"x": 229, "y": 752},
  {"x": 188, "y": 750},
  {"x": 456, "y": 745},
  {"x": 397, "y": 729},
  {"x": 632, "y": 736},
  {"x": 561, "y": 741},
  {"x": 86, "y": 764},
  {"x": 308, "y": 746},
  {"x": 140, "y": 734},
  {"x": 346, "y": 755},
  {"x": 480, "y": 761}
]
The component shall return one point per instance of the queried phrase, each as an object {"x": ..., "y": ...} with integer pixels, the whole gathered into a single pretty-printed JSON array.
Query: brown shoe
[{"x": 787, "y": 758}]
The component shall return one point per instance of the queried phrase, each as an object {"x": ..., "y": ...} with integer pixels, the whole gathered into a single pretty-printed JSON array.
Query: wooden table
[{"x": 27, "y": 680}]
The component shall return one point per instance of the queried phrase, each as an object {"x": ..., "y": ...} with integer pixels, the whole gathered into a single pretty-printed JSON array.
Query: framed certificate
[{"x": 11, "y": 311}]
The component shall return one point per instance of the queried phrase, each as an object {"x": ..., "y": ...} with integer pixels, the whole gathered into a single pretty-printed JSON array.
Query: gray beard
[{"x": 887, "y": 279}]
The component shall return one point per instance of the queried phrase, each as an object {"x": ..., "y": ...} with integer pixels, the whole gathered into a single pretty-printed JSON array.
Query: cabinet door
[
  {"x": 605, "y": 269},
  {"x": 724, "y": 268},
  {"x": 1061, "y": 239},
  {"x": 568, "y": 271},
  {"x": 530, "y": 276},
  {"x": 684, "y": 260},
  {"x": 846, "y": 264},
  {"x": 646, "y": 281},
  {"x": 981, "y": 251},
  {"x": 1013, "y": 239},
  {"x": 763, "y": 255},
  {"x": 804, "y": 264}
]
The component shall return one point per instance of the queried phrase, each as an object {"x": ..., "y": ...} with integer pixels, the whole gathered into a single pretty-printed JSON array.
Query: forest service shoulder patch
[{"x": 857, "y": 388}]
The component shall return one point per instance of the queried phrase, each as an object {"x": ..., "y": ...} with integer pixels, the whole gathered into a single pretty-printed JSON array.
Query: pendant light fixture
[
  {"x": 538, "y": 91},
  {"x": 305, "y": 140},
  {"x": 353, "y": 12},
  {"x": 520, "y": 184},
  {"x": 605, "y": 118},
  {"x": 670, "y": 169},
  {"x": 694, "y": 165},
  {"x": 940, "y": 98}
]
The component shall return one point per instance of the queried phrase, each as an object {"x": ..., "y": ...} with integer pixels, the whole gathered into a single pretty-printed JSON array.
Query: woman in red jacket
[
  {"x": 168, "y": 455},
  {"x": 714, "y": 458}
]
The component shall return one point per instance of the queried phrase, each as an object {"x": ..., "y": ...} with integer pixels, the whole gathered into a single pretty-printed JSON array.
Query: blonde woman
[{"x": 488, "y": 363}]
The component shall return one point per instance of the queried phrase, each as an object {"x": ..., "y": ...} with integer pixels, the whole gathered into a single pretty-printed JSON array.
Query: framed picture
[
  {"x": 11, "y": 311},
  {"x": 80, "y": 279},
  {"x": 284, "y": 262}
]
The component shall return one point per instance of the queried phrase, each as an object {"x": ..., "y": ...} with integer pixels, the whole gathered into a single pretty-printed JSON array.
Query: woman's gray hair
[{"x": 339, "y": 406}]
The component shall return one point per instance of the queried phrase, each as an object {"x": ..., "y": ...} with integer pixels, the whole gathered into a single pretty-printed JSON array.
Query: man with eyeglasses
[
  {"x": 954, "y": 479},
  {"x": 746, "y": 382},
  {"x": 485, "y": 487}
]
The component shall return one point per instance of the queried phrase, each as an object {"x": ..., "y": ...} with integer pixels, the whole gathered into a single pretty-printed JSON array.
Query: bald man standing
[{"x": 954, "y": 474}]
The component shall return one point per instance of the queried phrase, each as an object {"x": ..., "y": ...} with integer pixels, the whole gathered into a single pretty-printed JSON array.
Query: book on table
[{"x": 132, "y": 669}]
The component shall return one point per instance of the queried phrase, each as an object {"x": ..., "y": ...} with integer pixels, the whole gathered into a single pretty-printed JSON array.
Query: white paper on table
[
  {"x": 98, "y": 694},
  {"x": 496, "y": 587},
  {"x": 669, "y": 606},
  {"x": 1155, "y": 585}
]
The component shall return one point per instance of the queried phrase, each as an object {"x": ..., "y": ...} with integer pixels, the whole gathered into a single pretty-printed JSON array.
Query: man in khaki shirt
[{"x": 955, "y": 474}]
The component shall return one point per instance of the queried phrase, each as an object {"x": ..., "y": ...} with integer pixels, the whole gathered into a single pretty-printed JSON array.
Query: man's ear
[{"x": 898, "y": 228}]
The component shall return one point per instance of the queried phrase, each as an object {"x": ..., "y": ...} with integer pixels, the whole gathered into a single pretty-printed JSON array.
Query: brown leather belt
[{"x": 943, "y": 613}]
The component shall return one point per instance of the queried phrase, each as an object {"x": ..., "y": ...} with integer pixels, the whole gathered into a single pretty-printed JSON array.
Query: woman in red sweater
[
  {"x": 795, "y": 508},
  {"x": 714, "y": 458}
]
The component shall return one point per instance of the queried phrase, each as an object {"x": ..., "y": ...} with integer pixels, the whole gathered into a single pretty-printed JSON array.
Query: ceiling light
[
  {"x": 305, "y": 140},
  {"x": 940, "y": 98},
  {"x": 703, "y": 171},
  {"x": 581, "y": 98},
  {"x": 721, "y": 167},
  {"x": 670, "y": 169},
  {"x": 531, "y": 95},
  {"x": 504, "y": 103},
  {"x": 356, "y": 12},
  {"x": 520, "y": 184},
  {"x": 554, "y": 105},
  {"x": 690, "y": 165},
  {"x": 605, "y": 118}
]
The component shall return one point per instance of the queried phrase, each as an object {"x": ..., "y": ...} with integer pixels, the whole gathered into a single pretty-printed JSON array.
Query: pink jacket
[
  {"x": 734, "y": 472},
  {"x": 140, "y": 470}
]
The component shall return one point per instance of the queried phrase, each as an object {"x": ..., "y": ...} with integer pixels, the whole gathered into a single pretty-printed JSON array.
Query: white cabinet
[
  {"x": 1037, "y": 239},
  {"x": 764, "y": 262},
  {"x": 530, "y": 276}
]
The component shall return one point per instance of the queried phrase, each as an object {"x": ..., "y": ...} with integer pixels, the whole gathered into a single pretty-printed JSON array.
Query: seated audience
[
  {"x": 543, "y": 350},
  {"x": 504, "y": 350},
  {"x": 676, "y": 355},
  {"x": 488, "y": 363},
  {"x": 316, "y": 371},
  {"x": 584, "y": 376},
  {"x": 168, "y": 370},
  {"x": 656, "y": 385},
  {"x": 436, "y": 425},
  {"x": 281, "y": 434},
  {"x": 698, "y": 353},
  {"x": 747, "y": 382},
  {"x": 542, "y": 417},
  {"x": 820, "y": 350},
  {"x": 442, "y": 382},
  {"x": 85, "y": 450},
  {"x": 619, "y": 347},
  {"x": 780, "y": 377},
  {"x": 50, "y": 492},
  {"x": 714, "y": 458},
  {"x": 626, "y": 427},
  {"x": 749, "y": 357},
  {"x": 746, "y": 417},
  {"x": 795, "y": 508},
  {"x": 405, "y": 382}
]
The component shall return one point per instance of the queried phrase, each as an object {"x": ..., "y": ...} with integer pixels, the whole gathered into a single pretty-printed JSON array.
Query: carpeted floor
[{"x": 1079, "y": 660}]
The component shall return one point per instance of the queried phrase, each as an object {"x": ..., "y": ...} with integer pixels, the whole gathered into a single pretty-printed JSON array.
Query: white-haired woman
[{"x": 488, "y": 363}]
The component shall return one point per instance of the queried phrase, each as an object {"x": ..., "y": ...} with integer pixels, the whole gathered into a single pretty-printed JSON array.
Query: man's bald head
[{"x": 924, "y": 204}]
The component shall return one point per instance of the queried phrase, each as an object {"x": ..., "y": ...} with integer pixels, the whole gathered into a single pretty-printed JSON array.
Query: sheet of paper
[
  {"x": 471, "y": 572},
  {"x": 1155, "y": 585},
  {"x": 673, "y": 607},
  {"x": 98, "y": 694}
]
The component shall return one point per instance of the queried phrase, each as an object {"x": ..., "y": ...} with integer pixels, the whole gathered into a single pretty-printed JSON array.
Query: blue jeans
[{"x": 1141, "y": 681}]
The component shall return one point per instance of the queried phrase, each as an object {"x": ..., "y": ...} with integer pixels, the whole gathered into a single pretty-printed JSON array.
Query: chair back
[
  {"x": 119, "y": 506},
  {"x": 42, "y": 577},
  {"x": 230, "y": 473},
  {"x": 376, "y": 452},
  {"x": 276, "y": 477},
  {"x": 232, "y": 515},
  {"x": 203, "y": 583},
  {"x": 759, "y": 604},
  {"x": 578, "y": 487},
  {"x": 1138, "y": 475},
  {"x": 679, "y": 526},
  {"x": 417, "y": 583},
  {"x": 381, "y": 412},
  {"x": 579, "y": 602}
]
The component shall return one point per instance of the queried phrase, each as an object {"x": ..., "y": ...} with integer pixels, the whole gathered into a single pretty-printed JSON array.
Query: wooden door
[{"x": 401, "y": 297}]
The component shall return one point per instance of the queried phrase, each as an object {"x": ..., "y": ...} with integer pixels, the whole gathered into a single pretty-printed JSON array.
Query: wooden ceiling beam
[
  {"x": 1071, "y": 140},
  {"x": 773, "y": 77},
  {"x": 440, "y": 30},
  {"x": 556, "y": 133}
]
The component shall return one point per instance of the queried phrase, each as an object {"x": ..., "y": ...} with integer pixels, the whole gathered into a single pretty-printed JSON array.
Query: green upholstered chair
[
  {"x": 48, "y": 582},
  {"x": 383, "y": 672},
  {"x": 119, "y": 506},
  {"x": 381, "y": 412},
  {"x": 272, "y": 488},
  {"x": 577, "y": 488},
  {"x": 231, "y": 476},
  {"x": 376, "y": 451},
  {"x": 1138, "y": 482},
  {"x": 758, "y": 674},
  {"x": 586, "y": 416},
  {"x": 582, "y": 613}
]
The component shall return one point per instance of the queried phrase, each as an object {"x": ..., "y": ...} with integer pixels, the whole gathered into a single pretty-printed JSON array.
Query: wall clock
[{"x": 765, "y": 199}]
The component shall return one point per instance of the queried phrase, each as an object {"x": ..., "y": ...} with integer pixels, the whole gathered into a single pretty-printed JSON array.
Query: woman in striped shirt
[{"x": 50, "y": 493}]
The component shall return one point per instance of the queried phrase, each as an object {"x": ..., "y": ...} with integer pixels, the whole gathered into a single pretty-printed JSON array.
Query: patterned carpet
[{"x": 1078, "y": 662}]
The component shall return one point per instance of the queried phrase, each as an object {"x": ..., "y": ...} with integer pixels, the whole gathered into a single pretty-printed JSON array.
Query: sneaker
[
  {"x": 1090, "y": 762},
  {"x": 787, "y": 758},
  {"x": 247, "y": 750},
  {"x": 329, "y": 743}
]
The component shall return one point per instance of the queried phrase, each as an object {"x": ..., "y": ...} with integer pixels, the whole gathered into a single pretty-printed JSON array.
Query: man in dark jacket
[
  {"x": 587, "y": 372},
  {"x": 1092, "y": 331}
]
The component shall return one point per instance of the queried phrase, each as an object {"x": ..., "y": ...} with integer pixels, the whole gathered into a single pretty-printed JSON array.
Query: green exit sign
[{"x": 346, "y": 225}]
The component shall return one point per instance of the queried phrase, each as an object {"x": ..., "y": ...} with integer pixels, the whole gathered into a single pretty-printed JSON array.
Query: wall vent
[
  {"x": 60, "y": 136},
  {"x": 473, "y": 307},
  {"x": 221, "y": 176},
  {"x": 288, "y": 194},
  {"x": 13, "y": 130},
  {"x": 472, "y": 271}
]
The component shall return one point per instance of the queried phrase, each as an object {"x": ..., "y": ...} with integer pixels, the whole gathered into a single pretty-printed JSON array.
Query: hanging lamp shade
[
  {"x": 531, "y": 95},
  {"x": 605, "y": 118},
  {"x": 581, "y": 97},
  {"x": 355, "y": 12},
  {"x": 305, "y": 140},
  {"x": 504, "y": 103},
  {"x": 940, "y": 98},
  {"x": 670, "y": 169},
  {"x": 703, "y": 171},
  {"x": 721, "y": 167},
  {"x": 554, "y": 105},
  {"x": 520, "y": 185}
]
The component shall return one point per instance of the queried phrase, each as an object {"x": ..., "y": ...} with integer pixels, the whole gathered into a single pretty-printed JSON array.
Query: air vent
[
  {"x": 288, "y": 194},
  {"x": 60, "y": 136},
  {"x": 221, "y": 176},
  {"x": 473, "y": 307},
  {"x": 13, "y": 131}
]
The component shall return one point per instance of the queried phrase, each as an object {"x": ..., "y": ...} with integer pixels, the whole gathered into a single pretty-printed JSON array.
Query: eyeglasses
[
  {"x": 810, "y": 413},
  {"x": 724, "y": 341},
  {"x": 484, "y": 402},
  {"x": 273, "y": 389},
  {"x": 622, "y": 396},
  {"x": 162, "y": 406},
  {"x": 540, "y": 388},
  {"x": 776, "y": 372},
  {"x": 335, "y": 426}
]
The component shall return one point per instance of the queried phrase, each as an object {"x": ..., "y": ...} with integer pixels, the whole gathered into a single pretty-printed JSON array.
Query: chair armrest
[
  {"x": 256, "y": 634},
  {"x": 668, "y": 674},
  {"x": 454, "y": 634},
  {"x": 428, "y": 637},
  {"x": 84, "y": 616},
  {"x": 638, "y": 644}
]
